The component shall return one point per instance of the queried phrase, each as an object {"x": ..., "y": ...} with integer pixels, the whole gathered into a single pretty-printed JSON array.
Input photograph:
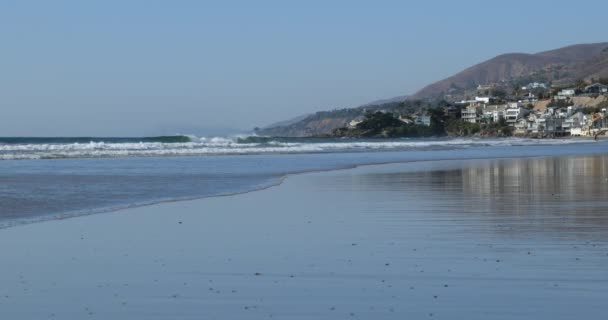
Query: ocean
[
  {"x": 519, "y": 233},
  {"x": 55, "y": 178}
]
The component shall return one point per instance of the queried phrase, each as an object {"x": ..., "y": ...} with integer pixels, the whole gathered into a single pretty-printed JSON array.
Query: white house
[
  {"x": 576, "y": 132},
  {"x": 512, "y": 114},
  {"x": 574, "y": 122},
  {"x": 567, "y": 93},
  {"x": 534, "y": 85},
  {"x": 513, "y": 105},
  {"x": 482, "y": 99}
]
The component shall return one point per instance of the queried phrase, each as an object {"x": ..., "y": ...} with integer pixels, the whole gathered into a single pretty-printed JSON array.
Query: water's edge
[{"x": 277, "y": 181}]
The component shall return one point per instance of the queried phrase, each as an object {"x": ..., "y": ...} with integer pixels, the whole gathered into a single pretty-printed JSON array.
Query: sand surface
[{"x": 484, "y": 239}]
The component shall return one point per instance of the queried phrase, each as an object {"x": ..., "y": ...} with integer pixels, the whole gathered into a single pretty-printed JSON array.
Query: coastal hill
[
  {"x": 560, "y": 67},
  {"x": 324, "y": 121},
  {"x": 565, "y": 65}
]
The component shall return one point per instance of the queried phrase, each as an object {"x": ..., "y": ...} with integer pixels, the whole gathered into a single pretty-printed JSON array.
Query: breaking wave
[
  {"x": 61, "y": 148},
  {"x": 72, "y": 140}
]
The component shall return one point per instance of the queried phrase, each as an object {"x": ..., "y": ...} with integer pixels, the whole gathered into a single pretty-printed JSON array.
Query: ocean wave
[
  {"x": 209, "y": 146},
  {"x": 84, "y": 140}
]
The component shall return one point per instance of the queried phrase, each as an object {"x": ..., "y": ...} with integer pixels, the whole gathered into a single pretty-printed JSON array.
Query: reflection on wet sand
[
  {"x": 563, "y": 196},
  {"x": 475, "y": 240}
]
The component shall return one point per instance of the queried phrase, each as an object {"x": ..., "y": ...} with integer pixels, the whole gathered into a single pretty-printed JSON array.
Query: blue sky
[{"x": 162, "y": 67}]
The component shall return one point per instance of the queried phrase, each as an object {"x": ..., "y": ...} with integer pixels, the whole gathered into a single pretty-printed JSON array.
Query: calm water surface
[
  {"x": 480, "y": 239},
  {"x": 34, "y": 190}
]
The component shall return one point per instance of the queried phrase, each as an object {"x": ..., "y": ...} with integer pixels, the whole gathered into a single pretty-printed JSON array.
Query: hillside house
[
  {"x": 596, "y": 88},
  {"x": 528, "y": 98},
  {"x": 486, "y": 87},
  {"x": 566, "y": 93},
  {"x": 423, "y": 120},
  {"x": 470, "y": 113},
  {"x": 514, "y": 113},
  {"x": 451, "y": 111},
  {"x": 534, "y": 85},
  {"x": 482, "y": 99},
  {"x": 493, "y": 113}
]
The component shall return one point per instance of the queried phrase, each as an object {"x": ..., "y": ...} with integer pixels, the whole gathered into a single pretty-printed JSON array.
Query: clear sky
[{"x": 136, "y": 68}]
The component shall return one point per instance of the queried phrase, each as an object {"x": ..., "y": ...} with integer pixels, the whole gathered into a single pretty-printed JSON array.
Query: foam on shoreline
[
  {"x": 225, "y": 146},
  {"x": 275, "y": 180}
]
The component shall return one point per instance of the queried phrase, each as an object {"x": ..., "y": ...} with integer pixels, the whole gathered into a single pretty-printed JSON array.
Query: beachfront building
[
  {"x": 514, "y": 112},
  {"x": 470, "y": 113},
  {"x": 577, "y": 132},
  {"x": 522, "y": 126},
  {"x": 574, "y": 123},
  {"x": 533, "y": 123},
  {"x": 493, "y": 113},
  {"x": 553, "y": 126}
]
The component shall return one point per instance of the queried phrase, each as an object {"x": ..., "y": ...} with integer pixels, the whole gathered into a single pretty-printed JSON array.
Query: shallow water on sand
[
  {"x": 36, "y": 190},
  {"x": 478, "y": 239}
]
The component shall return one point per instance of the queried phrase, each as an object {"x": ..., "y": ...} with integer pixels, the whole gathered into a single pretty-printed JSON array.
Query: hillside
[
  {"x": 326, "y": 121},
  {"x": 564, "y": 65},
  {"x": 560, "y": 67}
]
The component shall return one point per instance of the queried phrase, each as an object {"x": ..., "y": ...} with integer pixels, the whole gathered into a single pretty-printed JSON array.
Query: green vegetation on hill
[
  {"x": 387, "y": 125},
  {"x": 459, "y": 128},
  {"x": 500, "y": 78},
  {"x": 324, "y": 122},
  {"x": 381, "y": 124}
]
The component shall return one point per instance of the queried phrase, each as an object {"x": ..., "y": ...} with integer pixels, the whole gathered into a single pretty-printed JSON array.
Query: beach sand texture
[{"x": 477, "y": 239}]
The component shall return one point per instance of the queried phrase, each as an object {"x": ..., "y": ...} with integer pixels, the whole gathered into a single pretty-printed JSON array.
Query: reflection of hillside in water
[
  {"x": 566, "y": 196},
  {"x": 527, "y": 186}
]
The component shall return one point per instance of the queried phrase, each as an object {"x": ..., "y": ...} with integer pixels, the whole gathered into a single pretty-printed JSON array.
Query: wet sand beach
[{"x": 460, "y": 239}]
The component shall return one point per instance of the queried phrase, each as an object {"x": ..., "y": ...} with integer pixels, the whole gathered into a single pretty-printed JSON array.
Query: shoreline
[
  {"x": 279, "y": 180},
  {"x": 248, "y": 150},
  {"x": 390, "y": 241}
]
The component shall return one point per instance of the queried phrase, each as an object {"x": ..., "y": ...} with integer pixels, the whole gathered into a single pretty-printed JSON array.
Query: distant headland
[{"x": 563, "y": 92}]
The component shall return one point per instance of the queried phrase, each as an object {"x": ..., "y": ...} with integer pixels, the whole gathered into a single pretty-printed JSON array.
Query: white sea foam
[{"x": 226, "y": 146}]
